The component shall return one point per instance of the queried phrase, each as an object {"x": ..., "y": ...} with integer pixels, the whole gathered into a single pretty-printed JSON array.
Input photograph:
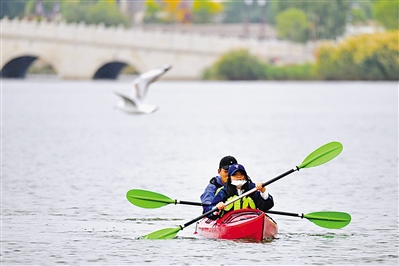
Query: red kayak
[{"x": 239, "y": 224}]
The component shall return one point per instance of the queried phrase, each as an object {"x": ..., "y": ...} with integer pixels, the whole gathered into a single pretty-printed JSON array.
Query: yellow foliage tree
[
  {"x": 176, "y": 10},
  {"x": 363, "y": 57}
]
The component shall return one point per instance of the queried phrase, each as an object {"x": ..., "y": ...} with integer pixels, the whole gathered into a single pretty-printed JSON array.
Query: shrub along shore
[{"x": 363, "y": 57}]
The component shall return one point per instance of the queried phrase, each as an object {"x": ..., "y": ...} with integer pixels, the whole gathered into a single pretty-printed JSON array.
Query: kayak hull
[{"x": 239, "y": 224}]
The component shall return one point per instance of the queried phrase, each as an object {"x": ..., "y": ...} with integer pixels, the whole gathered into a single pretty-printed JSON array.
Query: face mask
[{"x": 238, "y": 183}]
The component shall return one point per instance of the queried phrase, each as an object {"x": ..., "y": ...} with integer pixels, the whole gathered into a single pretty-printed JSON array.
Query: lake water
[{"x": 69, "y": 157}]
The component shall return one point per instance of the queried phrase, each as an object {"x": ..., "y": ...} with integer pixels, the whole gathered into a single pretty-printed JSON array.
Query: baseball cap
[
  {"x": 236, "y": 167},
  {"x": 226, "y": 161}
]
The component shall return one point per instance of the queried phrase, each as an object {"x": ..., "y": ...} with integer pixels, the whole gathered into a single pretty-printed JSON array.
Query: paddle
[
  {"x": 326, "y": 219},
  {"x": 320, "y": 156},
  {"x": 150, "y": 200}
]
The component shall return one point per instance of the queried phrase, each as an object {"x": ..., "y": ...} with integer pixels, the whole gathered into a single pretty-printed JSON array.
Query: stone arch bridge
[{"x": 80, "y": 51}]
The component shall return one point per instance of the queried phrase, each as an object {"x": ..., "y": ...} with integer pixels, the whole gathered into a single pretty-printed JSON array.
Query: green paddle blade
[
  {"x": 332, "y": 220},
  {"x": 166, "y": 233},
  {"x": 322, "y": 155},
  {"x": 147, "y": 199}
]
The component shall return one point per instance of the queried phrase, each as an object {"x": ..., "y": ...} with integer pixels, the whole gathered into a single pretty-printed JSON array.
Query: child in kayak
[
  {"x": 218, "y": 181},
  {"x": 237, "y": 184}
]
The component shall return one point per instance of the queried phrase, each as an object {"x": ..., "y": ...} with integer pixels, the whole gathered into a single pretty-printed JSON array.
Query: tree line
[{"x": 298, "y": 21}]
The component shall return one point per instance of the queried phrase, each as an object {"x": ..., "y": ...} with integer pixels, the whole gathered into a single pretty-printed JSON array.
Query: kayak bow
[{"x": 248, "y": 224}]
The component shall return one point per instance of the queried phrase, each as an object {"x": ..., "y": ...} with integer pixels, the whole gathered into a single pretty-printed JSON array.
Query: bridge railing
[{"x": 176, "y": 42}]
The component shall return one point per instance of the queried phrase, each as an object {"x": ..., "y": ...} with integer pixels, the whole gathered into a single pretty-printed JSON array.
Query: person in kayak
[
  {"x": 237, "y": 184},
  {"x": 218, "y": 181}
]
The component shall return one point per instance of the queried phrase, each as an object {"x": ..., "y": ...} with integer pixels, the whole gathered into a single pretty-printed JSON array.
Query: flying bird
[{"x": 135, "y": 102}]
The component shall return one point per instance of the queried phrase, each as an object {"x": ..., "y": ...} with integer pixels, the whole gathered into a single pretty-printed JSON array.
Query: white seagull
[{"x": 135, "y": 102}]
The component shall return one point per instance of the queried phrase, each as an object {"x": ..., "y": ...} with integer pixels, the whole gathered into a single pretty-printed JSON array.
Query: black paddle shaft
[
  {"x": 285, "y": 213},
  {"x": 280, "y": 176},
  {"x": 190, "y": 203}
]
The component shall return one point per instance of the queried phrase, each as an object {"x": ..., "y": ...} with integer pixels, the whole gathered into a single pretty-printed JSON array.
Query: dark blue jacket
[
  {"x": 210, "y": 191},
  {"x": 226, "y": 192}
]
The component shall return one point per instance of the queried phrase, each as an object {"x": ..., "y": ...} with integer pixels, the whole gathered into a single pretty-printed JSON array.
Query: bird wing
[
  {"x": 128, "y": 100},
  {"x": 141, "y": 84}
]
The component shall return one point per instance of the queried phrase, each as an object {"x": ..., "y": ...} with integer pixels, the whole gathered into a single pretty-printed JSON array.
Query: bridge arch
[
  {"x": 17, "y": 65},
  {"x": 111, "y": 70},
  {"x": 110, "y": 65}
]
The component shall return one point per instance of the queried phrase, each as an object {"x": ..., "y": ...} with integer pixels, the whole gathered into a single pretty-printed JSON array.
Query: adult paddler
[{"x": 217, "y": 181}]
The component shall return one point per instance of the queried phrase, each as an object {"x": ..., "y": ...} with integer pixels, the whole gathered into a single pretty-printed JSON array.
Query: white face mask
[{"x": 238, "y": 183}]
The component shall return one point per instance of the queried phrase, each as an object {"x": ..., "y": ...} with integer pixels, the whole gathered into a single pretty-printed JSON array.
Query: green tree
[
  {"x": 387, "y": 13},
  {"x": 366, "y": 6},
  {"x": 327, "y": 18},
  {"x": 292, "y": 24},
  {"x": 237, "y": 11},
  {"x": 152, "y": 10},
  {"x": 93, "y": 12},
  {"x": 12, "y": 9},
  {"x": 204, "y": 11},
  {"x": 358, "y": 16},
  {"x": 234, "y": 11},
  {"x": 74, "y": 11},
  {"x": 23, "y": 8},
  {"x": 107, "y": 13},
  {"x": 239, "y": 65},
  {"x": 360, "y": 12}
]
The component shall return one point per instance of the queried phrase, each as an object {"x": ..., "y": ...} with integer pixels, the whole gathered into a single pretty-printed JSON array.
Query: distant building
[{"x": 132, "y": 9}]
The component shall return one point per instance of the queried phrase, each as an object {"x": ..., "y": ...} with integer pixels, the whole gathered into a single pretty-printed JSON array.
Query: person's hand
[
  {"x": 260, "y": 188},
  {"x": 220, "y": 206}
]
